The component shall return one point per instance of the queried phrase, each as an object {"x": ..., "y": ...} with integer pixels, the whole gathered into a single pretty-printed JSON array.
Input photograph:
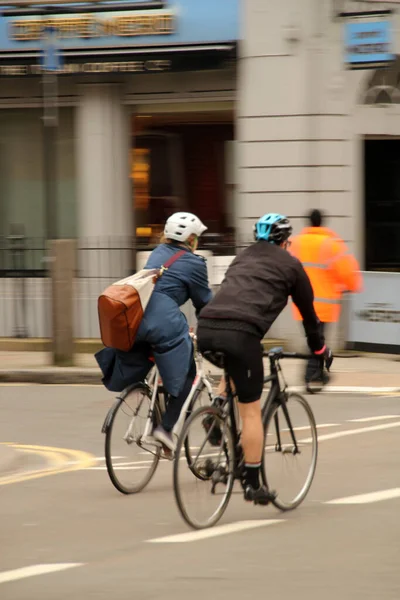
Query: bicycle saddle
[{"x": 215, "y": 358}]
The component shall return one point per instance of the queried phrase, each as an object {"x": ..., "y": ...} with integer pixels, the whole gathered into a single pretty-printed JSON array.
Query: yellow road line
[
  {"x": 62, "y": 460},
  {"x": 56, "y": 459}
]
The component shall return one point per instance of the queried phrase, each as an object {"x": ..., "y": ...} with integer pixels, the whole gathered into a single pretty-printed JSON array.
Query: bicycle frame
[
  {"x": 276, "y": 394},
  {"x": 201, "y": 378},
  {"x": 277, "y": 391},
  {"x": 152, "y": 382}
]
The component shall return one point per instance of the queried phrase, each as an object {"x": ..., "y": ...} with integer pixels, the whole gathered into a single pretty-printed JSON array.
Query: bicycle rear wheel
[
  {"x": 290, "y": 459},
  {"x": 203, "y": 490},
  {"x": 130, "y": 464}
]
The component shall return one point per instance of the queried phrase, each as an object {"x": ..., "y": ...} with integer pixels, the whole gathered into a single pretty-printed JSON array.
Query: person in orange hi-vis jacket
[{"x": 331, "y": 269}]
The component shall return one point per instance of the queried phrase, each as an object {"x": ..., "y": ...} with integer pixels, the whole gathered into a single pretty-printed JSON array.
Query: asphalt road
[{"x": 76, "y": 521}]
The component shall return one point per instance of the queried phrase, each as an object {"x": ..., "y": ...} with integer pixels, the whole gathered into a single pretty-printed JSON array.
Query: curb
[
  {"x": 46, "y": 376},
  {"x": 76, "y": 376}
]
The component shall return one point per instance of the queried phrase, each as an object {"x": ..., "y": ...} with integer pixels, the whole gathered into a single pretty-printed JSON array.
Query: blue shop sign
[
  {"x": 368, "y": 43},
  {"x": 181, "y": 22}
]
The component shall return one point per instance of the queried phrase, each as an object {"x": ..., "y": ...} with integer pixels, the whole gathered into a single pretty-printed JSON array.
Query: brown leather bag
[{"x": 121, "y": 306}]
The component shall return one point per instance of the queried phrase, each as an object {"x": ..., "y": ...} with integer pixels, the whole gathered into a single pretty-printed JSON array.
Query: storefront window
[
  {"x": 183, "y": 162},
  {"x": 382, "y": 204},
  {"x": 22, "y": 189}
]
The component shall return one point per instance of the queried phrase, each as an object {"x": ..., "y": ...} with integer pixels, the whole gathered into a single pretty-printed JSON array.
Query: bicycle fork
[{"x": 280, "y": 448}]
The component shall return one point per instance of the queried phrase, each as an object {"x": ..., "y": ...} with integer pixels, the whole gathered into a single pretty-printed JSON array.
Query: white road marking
[
  {"x": 368, "y": 498},
  {"x": 324, "y": 425},
  {"x": 360, "y": 389},
  {"x": 132, "y": 464},
  {"x": 339, "y": 434},
  {"x": 116, "y": 468},
  {"x": 350, "y": 389},
  {"x": 24, "y": 572},
  {"x": 377, "y": 418},
  {"x": 113, "y": 457},
  {"x": 195, "y": 536}
]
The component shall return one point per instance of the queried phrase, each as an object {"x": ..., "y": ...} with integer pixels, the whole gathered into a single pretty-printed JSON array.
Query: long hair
[{"x": 165, "y": 240}]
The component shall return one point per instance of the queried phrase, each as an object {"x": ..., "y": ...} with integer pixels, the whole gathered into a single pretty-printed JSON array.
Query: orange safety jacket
[{"x": 330, "y": 267}]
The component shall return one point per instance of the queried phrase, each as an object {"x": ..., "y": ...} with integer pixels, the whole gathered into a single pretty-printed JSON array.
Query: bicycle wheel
[
  {"x": 130, "y": 464},
  {"x": 288, "y": 470},
  {"x": 202, "y": 492},
  {"x": 200, "y": 398}
]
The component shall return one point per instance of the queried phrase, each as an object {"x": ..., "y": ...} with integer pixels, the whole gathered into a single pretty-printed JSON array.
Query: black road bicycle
[{"x": 289, "y": 459}]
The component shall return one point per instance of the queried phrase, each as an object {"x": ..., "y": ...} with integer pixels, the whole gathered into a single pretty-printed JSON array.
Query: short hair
[{"x": 316, "y": 218}]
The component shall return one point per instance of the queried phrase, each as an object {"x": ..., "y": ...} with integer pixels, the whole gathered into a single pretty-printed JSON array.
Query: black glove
[
  {"x": 326, "y": 358},
  {"x": 317, "y": 370}
]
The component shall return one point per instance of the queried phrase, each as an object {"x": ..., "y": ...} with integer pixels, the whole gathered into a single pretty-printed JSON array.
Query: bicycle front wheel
[
  {"x": 290, "y": 451},
  {"x": 203, "y": 490},
  {"x": 130, "y": 463}
]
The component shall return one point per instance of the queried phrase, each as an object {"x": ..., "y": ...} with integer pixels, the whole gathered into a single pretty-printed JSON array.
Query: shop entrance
[
  {"x": 382, "y": 204},
  {"x": 183, "y": 162}
]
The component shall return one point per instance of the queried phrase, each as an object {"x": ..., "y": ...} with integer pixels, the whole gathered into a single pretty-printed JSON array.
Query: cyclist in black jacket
[{"x": 254, "y": 292}]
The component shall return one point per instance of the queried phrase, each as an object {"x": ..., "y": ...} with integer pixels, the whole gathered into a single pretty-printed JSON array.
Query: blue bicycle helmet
[{"x": 273, "y": 228}]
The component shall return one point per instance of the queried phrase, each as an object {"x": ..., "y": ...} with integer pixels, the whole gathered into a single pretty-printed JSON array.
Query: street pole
[
  {"x": 50, "y": 127},
  {"x": 58, "y": 260}
]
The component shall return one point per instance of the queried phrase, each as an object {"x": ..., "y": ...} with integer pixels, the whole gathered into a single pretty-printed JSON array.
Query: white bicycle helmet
[{"x": 181, "y": 225}]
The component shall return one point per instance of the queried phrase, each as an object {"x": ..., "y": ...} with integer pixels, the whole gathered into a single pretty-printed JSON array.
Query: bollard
[{"x": 62, "y": 267}]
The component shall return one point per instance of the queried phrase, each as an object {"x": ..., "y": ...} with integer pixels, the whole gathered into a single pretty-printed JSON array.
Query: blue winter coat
[{"x": 164, "y": 329}]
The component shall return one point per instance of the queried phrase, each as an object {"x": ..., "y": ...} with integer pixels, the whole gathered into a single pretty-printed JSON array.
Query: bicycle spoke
[
  {"x": 289, "y": 463},
  {"x": 202, "y": 491},
  {"x": 133, "y": 470}
]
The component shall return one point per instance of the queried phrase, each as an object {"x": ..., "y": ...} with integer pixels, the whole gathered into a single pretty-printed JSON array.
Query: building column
[
  {"x": 294, "y": 150},
  {"x": 105, "y": 200}
]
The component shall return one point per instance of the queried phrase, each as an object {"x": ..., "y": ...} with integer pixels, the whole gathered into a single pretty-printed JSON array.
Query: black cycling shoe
[{"x": 260, "y": 496}]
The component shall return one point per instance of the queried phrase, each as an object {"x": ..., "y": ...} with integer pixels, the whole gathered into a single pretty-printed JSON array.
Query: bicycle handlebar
[{"x": 277, "y": 355}]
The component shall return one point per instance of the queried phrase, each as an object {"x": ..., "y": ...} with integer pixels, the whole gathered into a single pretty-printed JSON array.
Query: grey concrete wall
[{"x": 294, "y": 150}]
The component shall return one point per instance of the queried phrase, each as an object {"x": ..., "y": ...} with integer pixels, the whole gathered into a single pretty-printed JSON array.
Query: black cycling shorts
[{"x": 243, "y": 358}]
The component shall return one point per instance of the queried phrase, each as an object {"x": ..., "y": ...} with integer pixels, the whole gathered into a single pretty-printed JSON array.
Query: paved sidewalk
[{"x": 360, "y": 371}]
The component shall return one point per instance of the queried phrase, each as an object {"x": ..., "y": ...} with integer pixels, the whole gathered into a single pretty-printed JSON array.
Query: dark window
[{"x": 382, "y": 205}]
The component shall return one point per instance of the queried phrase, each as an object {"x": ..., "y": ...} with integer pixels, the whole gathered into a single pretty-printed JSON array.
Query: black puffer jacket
[{"x": 256, "y": 289}]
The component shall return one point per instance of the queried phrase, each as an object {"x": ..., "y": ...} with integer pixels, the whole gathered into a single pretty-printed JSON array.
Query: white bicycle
[{"x": 132, "y": 454}]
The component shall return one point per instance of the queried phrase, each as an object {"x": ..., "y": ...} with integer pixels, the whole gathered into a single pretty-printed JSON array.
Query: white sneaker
[
  {"x": 165, "y": 437},
  {"x": 149, "y": 440}
]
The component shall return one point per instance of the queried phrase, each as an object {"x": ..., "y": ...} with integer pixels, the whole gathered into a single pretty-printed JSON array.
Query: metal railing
[
  {"x": 22, "y": 257},
  {"x": 25, "y": 287},
  {"x": 102, "y": 261}
]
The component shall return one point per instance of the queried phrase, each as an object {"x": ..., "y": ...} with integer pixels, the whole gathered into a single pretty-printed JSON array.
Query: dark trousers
[
  {"x": 313, "y": 364},
  {"x": 175, "y": 403}
]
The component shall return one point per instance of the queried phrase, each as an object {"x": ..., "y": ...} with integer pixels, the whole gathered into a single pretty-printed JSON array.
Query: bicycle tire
[
  {"x": 229, "y": 450},
  {"x": 292, "y": 398},
  {"x": 111, "y": 469}
]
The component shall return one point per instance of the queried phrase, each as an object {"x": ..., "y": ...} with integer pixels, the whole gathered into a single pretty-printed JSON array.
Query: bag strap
[{"x": 171, "y": 261}]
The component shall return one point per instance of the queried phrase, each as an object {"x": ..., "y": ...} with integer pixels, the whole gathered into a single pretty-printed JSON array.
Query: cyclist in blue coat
[{"x": 164, "y": 330}]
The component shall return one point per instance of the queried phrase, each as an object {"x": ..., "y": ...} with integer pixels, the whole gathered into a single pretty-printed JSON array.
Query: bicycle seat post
[{"x": 228, "y": 386}]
